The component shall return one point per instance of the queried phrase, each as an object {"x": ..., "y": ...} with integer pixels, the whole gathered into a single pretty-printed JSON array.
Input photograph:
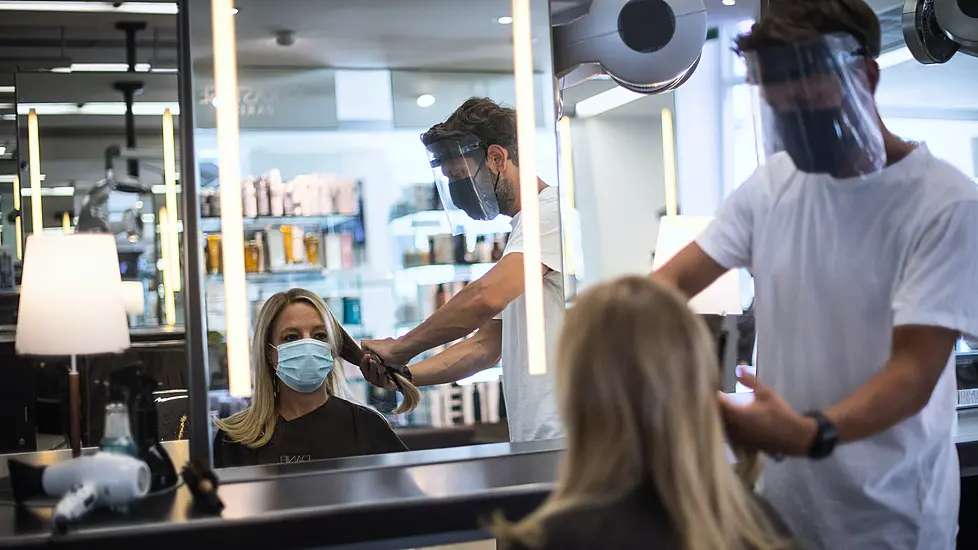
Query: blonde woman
[
  {"x": 646, "y": 465},
  {"x": 298, "y": 412}
]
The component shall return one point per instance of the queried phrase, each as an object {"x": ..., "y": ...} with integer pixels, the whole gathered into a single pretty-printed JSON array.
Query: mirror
[
  {"x": 99, "y": 172},
  {"x": 339, "y": 198}
]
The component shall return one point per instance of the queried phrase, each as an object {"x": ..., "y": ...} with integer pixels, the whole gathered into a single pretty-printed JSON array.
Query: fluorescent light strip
[
  {"x": 170, "y": 182},
  {"x": 605, "y": 101},
  {"x": 150, "y": 8},
  {"x": 17, "y": 227},
  {"x": 895, "y": 57},
  {"x": 526, "y": 138},
  {"x": 566, "y": 158},
  {"x": 161, "y": 189},
  {"x": 669, "y": 162},
  {"x": 13, "y": 178},
  {"x": 63, "y": 191},
  {"x": 101, "y": 68},
  {"x": 34, "y": 156},
  {"x": 146, "y": 108},
  {"x": 232, "y": 226},
  {"x": 166, "y": 245},
  {"x": 7, "y": 89}
]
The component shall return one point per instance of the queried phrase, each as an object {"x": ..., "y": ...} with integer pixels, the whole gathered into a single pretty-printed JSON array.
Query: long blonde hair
[
  {"x": 254, "y": 426},
  {"x": 637, "y": 380}
]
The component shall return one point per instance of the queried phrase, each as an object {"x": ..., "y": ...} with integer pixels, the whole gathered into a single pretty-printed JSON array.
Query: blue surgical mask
[{"x": 304, "y": 364}]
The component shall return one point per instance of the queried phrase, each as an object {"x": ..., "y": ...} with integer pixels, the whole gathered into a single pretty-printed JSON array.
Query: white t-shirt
[
  {"x": 837, "y": 265},
  {"x": 531, "y": 406}
]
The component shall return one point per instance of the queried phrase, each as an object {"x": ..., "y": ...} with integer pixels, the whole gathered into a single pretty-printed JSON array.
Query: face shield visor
[
  {"x": 817, "y": 105},
  {"x": 465, "y": 183}
]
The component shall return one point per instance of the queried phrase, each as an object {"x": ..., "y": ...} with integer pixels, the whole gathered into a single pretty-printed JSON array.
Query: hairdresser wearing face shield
[
  {"x": 302, "y": 409},
  {"x": 474, "y": 158},
  {"x": 864, "y": 252}
]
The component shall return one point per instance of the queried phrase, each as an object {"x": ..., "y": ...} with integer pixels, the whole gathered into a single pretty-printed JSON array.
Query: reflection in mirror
[
  {"x": 405, "y": 243},
  {"x": 72, "y": 161}
]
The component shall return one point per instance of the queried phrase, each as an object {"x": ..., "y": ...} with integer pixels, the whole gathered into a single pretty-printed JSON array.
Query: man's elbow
[{"x": 488, "y": 300}]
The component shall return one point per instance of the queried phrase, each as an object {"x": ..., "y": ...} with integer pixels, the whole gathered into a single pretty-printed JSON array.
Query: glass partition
[{"x": 339, "y": 199}]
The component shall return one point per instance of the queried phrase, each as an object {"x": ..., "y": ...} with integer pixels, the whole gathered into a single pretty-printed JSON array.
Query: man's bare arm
[
  {"x": 482, "y": 351},
  {"x": 690, "y": 271},
  {"x": 919, "y": 355}
]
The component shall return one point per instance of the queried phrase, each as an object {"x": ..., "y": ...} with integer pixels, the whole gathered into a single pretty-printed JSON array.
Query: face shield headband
[
  {"x": 465, "y": 184},
  {"x": 817, "y": 105}
]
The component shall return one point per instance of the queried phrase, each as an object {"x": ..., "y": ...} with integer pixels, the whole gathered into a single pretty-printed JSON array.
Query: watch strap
[{"x": 826, "y": 436}]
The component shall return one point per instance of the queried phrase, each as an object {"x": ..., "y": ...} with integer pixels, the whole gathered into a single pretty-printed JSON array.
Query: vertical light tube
[
  {"x": 18, "y": 230},
  {"x": 66, "y": 223},
  {"x": 170, "y": 181},
  {"x": 166, "y": 251},
  {"x": 232, "y": 226},
  {"x": 529, "y": 192},
  {"x": 566, "y": 155},
  {"x": 34, "y": 152},
  {"x": 669, "y": 162}
]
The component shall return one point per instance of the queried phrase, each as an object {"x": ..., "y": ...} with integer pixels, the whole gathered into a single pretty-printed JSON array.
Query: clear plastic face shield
[
  {"x": 465, "y": 183},
  {"x": 817, "y": 105}
]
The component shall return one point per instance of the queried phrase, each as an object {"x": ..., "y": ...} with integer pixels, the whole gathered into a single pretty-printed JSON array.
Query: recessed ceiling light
[
  {"x": 234, "y": 11},
  {"x": 729, "y": 2},
  {"x": 3, "y": 150},
  {"x": 426, "y": 100},
  {"x": 505, "y": 20}
]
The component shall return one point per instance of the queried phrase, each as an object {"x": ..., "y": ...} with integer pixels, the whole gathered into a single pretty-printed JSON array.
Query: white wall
[
  {"x": 619, "y": 183},
  {"x": 950, "y": 140},
  {"x": 699, "y": 136}
]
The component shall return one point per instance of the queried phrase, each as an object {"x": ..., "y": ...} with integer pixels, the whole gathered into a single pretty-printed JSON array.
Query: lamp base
[{"x": 74, "y": 410}]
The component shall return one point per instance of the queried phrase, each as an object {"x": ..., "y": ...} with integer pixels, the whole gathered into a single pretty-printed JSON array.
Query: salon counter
[{"x": 408, "y": 500}]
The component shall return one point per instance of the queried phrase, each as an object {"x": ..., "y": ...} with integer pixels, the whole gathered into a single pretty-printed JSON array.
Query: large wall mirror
[
  {"x": 339, "y": 198},
  {"x": 72, "y": 161}
]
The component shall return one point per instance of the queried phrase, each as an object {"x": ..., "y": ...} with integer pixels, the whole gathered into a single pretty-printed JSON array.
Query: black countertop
[{"x": 391, "y": 501}]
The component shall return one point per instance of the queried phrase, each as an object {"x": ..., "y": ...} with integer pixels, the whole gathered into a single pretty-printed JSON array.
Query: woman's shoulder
[{"x": 625, "y": 522}]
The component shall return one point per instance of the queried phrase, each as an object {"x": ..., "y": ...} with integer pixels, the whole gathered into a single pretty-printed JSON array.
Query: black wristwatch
[{"x": 826, "y": 436}]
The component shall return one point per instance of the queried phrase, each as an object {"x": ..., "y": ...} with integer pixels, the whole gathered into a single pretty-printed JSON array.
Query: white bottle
[
  {"x": 327, "y": 189},
  {"x": 276, "y": 193},
  {"x": 288, "y": 204},
  {"x": 249, "y": 198},
  {"x": 264, "y": 205}
]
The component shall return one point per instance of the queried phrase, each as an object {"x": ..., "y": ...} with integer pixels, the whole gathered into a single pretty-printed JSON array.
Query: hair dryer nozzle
[{"x": 26, "y": 480}]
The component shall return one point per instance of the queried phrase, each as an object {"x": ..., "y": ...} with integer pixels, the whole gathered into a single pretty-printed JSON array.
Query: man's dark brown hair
[
  {"x": 800, "y": 21},
  {"x": 492, "y": 123}
]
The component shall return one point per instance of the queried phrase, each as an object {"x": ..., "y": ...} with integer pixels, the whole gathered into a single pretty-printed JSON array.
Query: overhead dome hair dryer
[
  {"x": 935, "y": 30},
  {"x": 647, "y": 46}
]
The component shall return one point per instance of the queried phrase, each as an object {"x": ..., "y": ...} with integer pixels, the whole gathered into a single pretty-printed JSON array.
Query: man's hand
[
  {"x": 375, "y": 351},
  {"x": 389, "y": 350},
  {"x": 769, "y": 424},
  {"x": 375, "y": 372}
]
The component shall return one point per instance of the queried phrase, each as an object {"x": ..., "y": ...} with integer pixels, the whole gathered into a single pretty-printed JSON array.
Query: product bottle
[
  {"x": 441, "y": 297},
  {"x": 117, "y": 437},
  {"x": 276, "y": 193},
  {"x": 249, "y": 198},
  {"x": 497, "y": 249},
  {"x": 264, "y": 205}
]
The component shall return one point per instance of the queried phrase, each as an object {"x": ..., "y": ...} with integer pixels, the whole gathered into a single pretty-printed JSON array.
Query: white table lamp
[
  {"x": 723, "y": 297},
  {"x": 71, "y": 304}
]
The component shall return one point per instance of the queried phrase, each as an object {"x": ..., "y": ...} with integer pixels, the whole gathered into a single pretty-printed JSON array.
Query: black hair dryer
[{"x": 135, "y": 388}]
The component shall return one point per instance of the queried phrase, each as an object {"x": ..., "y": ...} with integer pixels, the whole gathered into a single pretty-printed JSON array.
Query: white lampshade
[
  {"x": 70, "y": 299},
  {"x": 132, "y": 297},
  {"x": 720, "y": 298}
]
